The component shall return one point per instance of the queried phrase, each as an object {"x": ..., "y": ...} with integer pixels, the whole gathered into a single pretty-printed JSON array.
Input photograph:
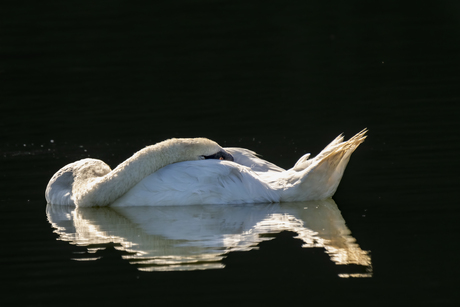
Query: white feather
[
  {"x": 171, "y": 173},
  {"x": 199, "y": 182}
]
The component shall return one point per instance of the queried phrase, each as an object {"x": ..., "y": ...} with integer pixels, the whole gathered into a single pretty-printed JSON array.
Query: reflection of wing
[{"x": 174, "y": 237}]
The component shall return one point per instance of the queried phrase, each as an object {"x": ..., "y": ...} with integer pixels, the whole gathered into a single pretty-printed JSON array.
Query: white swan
[{"x": 206, "y": 174}]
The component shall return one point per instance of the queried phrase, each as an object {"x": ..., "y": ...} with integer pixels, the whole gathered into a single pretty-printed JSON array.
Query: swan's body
[{"x": 174, "y": 172}]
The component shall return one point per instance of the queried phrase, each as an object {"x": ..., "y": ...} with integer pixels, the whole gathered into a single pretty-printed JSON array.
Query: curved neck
[{"x": 102, "y": 191}]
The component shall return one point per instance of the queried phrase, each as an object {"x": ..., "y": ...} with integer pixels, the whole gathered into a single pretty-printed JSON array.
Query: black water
[{"x": 105, "y": 78}]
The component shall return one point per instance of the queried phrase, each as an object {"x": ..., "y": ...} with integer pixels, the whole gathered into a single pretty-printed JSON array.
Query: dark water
[{"x": 105, "y": 78}]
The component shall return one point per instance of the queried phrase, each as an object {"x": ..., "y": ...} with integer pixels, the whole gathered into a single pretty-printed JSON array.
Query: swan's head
[
  {"x": 201, "y": 149},
  {"x": 222, "y": 154}
]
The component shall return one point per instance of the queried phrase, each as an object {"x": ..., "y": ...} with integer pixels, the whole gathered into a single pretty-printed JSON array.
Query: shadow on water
[{"x": 199, "y": 237}]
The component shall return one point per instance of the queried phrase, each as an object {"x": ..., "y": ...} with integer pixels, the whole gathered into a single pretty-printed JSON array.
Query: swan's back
[
  {"x": 199, "y": 182},
  {"x": 250, "y": 159}
]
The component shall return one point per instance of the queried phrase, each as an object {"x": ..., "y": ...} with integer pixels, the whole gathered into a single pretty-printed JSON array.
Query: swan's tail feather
[
  {"x": 326, "y": 173},
  {"x": 303, "y": 163},
  {"x": 321, "y": 176},
  {"x": 338, "y": 144},
  {"x": 336, "y": 141}
]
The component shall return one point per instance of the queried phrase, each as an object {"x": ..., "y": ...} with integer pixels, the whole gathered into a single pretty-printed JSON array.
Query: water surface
[
  {"x": 106, "y": 78},
  {"x": 198, "y": 237}
]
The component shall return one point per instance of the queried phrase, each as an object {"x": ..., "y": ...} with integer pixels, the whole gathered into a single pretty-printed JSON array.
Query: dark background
[{"x": 105, "y": 78}]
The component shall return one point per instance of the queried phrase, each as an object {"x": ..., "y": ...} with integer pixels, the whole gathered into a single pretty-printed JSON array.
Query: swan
[{"x": 199, "y": 171}]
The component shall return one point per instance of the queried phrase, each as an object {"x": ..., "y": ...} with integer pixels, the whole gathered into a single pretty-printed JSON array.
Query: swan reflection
[{"x": 198, "y": 237}]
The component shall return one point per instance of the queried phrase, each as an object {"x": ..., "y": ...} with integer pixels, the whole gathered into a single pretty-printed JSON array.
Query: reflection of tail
[{"x": 319, "y": 177}]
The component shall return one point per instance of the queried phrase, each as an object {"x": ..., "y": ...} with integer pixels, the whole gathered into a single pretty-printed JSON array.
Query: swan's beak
[{"x": 221, "y": 155}]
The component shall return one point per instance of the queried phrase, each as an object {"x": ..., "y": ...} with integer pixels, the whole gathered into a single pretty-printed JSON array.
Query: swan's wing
[
  {"x": 250, "y": 159},
  {"x": 199, "y": 182}
]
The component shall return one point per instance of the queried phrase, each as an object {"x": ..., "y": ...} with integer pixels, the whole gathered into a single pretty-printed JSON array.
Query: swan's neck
[{"x": 101, "y": 191}]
